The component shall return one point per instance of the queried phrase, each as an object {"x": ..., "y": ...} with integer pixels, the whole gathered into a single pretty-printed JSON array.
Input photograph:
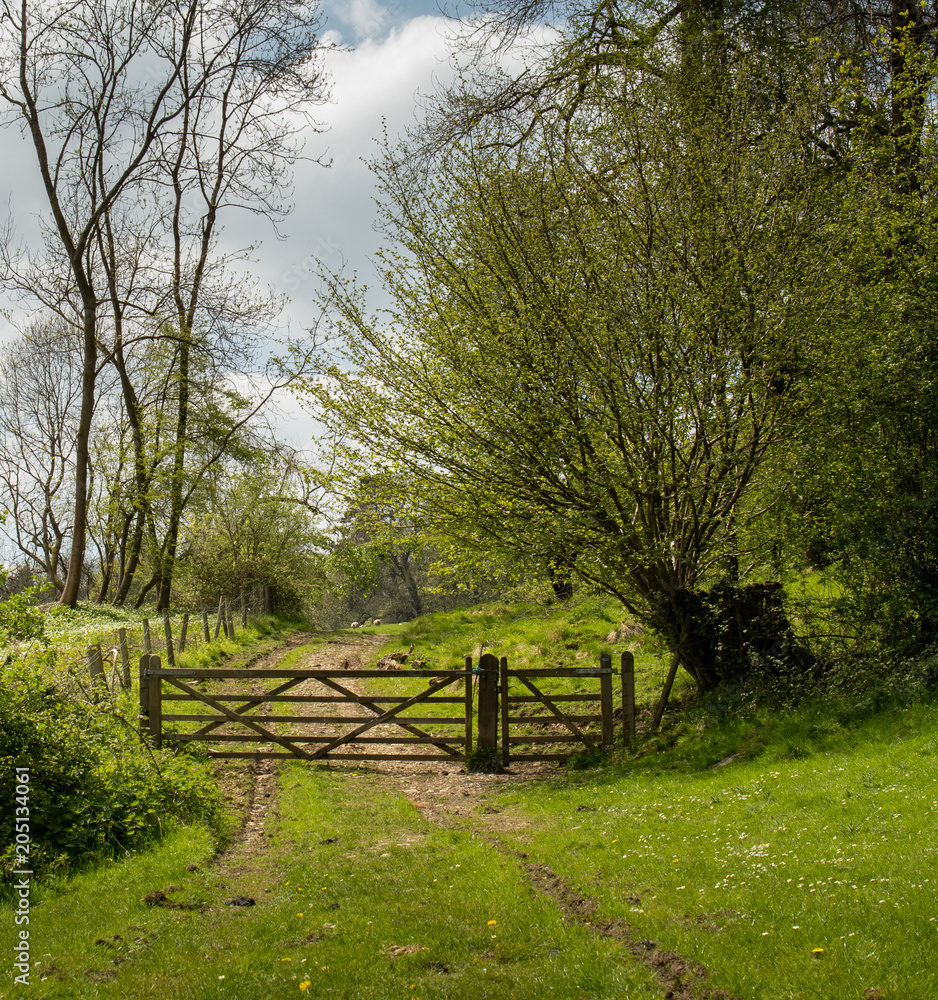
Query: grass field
[{"x": 790, "y": 853}]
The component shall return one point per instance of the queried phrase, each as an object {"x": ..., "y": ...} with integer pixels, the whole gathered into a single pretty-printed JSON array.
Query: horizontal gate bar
[
  {"x": 341, "y": 719},
  {"x": 263, "y": 755},
  {"x": 219, "y": 673},
  {"x": 299, "y": 741},
  {"x": 522, "y": 699},
  {"x": 562, "y": 672},
  {"x": 323, "y": 698},
  {"x": 537, "y": 719},
  {"x": 514, "y": 740},
  {"x": 540, "y": 756}
]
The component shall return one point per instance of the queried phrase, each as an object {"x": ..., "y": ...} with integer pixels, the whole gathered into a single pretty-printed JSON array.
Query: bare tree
[
  {"x": 40, "y": 391},
  {"x": 119, "y": 99}
]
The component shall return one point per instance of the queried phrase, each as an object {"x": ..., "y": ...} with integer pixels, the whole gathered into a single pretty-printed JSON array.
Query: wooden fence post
[
  {"x": 218, "y": 619},
  {"x": 628, "y": 698},
  {"x": 168, "y": 633},
  {"x": 488, "y": 702},
  {"x": 229, "y": 620},
  {"x": 205, "y": 632},
  {"x": 468, "y": 708},
  {"x": 182, "y": 632},
  {"x": 146, "y": 636},
  {"x": 503, "y": 692},
  {"x": 144, "y": 693},
  {"x": 125, "y": 657},
  {"x": 156, "y": 706},
  {"x": 605, "y": 701},
  {"x": 96, "y": 671}
]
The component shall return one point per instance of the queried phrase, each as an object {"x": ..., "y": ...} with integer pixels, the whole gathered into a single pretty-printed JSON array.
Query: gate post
[
  {"x": 96, "y": 672},
  {"x": 156, "y": 707},
  {"x": 503, "y": 691},
  {"x": 125, "y": 657},
  {"x": 168, "y": 634},
  {"x": 628, "y": 698},
  {"x": 488, "y": 702},
  {"x": 144, "y": 694},
  {"x": 468, "y": 708},
  {"x": 183, "y": 631},
  {"x": 605, "y": 701}
]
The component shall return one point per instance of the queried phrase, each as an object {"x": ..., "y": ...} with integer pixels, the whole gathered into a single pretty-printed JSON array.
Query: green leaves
[{"x": 585, "y": 363}]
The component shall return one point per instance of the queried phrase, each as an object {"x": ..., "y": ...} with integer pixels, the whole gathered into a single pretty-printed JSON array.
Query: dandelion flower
[
  {"x": 305, "y": 985},
  {"x": 492, "y": 923},
  {"x": 817, "y": 951}
]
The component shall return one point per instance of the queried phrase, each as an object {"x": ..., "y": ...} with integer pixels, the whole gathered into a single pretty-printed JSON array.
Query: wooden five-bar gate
[{"x": 184, "y": 706}]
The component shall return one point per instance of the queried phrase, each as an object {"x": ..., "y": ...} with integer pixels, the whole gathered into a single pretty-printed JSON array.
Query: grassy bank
[{"x": 807, "y": 872}]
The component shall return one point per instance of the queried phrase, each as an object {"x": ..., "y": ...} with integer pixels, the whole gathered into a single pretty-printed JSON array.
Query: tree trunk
[
  {"x": 720, "y": 634},
  {"x": 167, "y": 564},
  {"x": 76, "y": 560},
  {"x": 910, "y": 83}
]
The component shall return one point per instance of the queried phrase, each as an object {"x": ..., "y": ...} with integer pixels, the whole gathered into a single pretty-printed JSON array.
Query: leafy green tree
[
  {"x": 254, "y": 530},
  {"x": 866, "y": 468},
  {"x": 595, "y": 338}
]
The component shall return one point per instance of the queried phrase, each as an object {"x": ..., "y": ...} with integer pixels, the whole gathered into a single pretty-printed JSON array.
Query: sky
[
  {"x": 386, "y": 55},
  {"x": 394, "y": 53}
]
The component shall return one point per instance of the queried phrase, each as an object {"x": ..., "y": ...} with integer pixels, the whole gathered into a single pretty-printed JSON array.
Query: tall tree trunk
[
  {"x": 141, "y": 476},
  {"x": 910, "y": 84},
  {"x": 76, "y": 560},
  {"x": 167, "y": 565}
]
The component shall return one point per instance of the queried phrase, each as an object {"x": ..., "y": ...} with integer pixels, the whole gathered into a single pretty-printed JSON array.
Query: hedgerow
[{"x": 96, "y": 787}]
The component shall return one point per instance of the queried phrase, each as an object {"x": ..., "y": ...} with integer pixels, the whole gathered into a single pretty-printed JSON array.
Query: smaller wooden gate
[{"x": 572, "y": 719}]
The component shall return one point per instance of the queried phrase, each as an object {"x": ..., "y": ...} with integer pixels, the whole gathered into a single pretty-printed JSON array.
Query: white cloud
[
  {"x": 366, "y": 17},
  {"x": 374, "y": 88}
]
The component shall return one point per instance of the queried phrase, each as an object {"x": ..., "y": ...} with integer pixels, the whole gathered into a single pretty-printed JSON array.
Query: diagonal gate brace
[
  {"x": 234, "y": 717},
  {"x": 371, "y": 706},
  {"x": 380, "y": 719},
  {"x": 253, "y": 703},
  {"x": 572, "y": 726}
]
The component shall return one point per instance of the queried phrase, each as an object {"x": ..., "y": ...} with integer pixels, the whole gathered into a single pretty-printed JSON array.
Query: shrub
[{"x": 95, "y": 787}]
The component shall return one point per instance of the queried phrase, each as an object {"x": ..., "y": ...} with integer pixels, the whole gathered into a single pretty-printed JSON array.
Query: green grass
[
  {"x": 353, "y": 873},
  {"x": 820, "y": 843}
]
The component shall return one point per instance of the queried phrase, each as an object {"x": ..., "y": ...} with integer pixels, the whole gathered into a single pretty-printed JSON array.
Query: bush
[
  {"x": 95, "y": 787},
  {"x": 20, "y": 619}
]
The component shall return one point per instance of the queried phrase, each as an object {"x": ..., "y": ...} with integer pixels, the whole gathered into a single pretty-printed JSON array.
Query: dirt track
[{"x": 446, "y": 795}]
